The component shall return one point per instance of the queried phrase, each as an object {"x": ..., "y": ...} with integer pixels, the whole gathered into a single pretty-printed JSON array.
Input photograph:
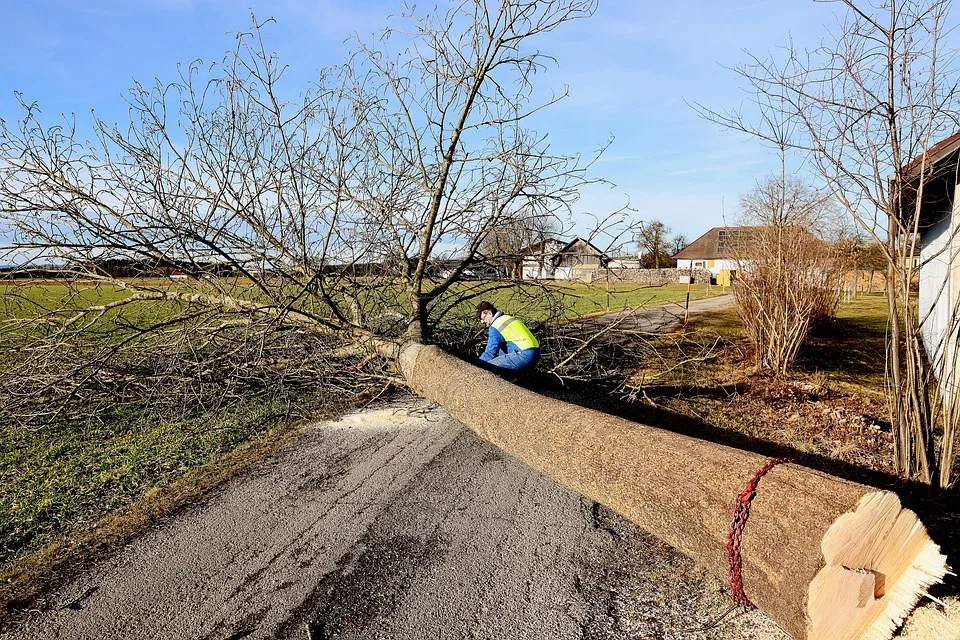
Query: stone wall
[{"x": 650, "y": 276}]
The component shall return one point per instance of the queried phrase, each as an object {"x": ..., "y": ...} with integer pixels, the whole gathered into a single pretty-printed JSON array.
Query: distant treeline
[
  {"x": 115, "y": 268},
  {"x": 31, "y": 273},
  {"x": 127, "y": 268}
]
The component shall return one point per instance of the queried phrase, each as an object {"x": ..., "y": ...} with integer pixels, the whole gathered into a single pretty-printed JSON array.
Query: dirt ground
[{"x": 934, "y": 622}]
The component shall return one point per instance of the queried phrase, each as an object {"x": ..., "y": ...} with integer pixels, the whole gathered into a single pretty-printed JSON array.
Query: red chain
[{"x": 741, "y": 512}]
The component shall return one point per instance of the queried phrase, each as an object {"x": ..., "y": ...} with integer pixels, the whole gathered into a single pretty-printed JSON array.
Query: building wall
[
  {"x": 585, "y": 273},
  {"x": 713, "y": 266},
  {"x": 568, "y": 269},
  {"x": 537, "y": 270},
  {"x": 624, "y": 263},
  {"x": 938, "y": 283},
  {"x": 576, "y": 259}
]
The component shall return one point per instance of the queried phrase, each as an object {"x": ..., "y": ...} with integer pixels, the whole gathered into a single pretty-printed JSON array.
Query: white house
[
  {"x": 726, "y": 251},
  {"x": 939, "y": 294},
  {"x": 561, "y": 260},
  {"x": 716, "y": 250}
]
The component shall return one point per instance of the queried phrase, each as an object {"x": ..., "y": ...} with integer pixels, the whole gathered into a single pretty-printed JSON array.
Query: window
[{"x": 729, "y": 241}]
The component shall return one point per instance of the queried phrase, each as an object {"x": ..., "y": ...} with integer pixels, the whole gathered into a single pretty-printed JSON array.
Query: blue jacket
[{"x": 496, "y": 345}]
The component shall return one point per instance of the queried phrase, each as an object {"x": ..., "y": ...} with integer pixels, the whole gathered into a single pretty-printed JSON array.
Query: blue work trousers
[{"x": 511, "y": 363}]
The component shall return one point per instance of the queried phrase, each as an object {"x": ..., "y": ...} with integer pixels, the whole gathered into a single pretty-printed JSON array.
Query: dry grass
[{"x": 830, "y": 405}]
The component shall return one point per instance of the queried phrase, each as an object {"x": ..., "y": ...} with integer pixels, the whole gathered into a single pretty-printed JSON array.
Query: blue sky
[{"x": 629, "y": 69}]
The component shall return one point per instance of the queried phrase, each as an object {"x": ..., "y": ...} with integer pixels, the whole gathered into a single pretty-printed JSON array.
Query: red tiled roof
[{"x": 935, "y": 153}]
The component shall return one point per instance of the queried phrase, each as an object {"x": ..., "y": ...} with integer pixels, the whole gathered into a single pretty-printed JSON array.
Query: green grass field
[
  {"x": 851, "y": 350},
  {"x": 601, "y": 298},
  {"x": 564, "y": 301},
  {"x": 56, "y": 480},
  {"x": 31, "y": 300}
]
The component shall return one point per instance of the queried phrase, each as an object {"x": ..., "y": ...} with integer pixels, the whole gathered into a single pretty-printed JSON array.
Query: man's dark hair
[{"x": 486, "y": 306}]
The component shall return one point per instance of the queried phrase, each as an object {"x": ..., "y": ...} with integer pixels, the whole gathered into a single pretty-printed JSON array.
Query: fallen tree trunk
[{"x": 825, "y": 558}]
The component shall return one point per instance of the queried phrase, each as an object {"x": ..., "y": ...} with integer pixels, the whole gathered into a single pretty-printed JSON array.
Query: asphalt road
[
  {"x": 652, "y": 319},
  {"x": 392, "y": 523}
]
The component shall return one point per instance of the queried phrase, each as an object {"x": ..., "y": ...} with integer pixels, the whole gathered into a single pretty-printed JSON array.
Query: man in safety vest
[{"x": 511, "y": 348}]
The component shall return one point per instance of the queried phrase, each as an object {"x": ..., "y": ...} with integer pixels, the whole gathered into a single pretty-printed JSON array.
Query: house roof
[
  {"x": 717, "y": 243},
  {"x": 939, "y": 181},
  {"x": 729, "y": 243},
  {"x": 561, "y": 247},
  {"x": 540, "y": 248},
  {"x": 591, "y": 249},
  {"x": 935, "y": 154}
]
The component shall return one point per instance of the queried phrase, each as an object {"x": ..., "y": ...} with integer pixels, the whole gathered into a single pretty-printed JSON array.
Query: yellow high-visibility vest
[{"x": 513, "y": 330}]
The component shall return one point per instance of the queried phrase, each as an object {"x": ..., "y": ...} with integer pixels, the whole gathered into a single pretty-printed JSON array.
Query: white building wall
[
  {"x": 536, "y": 270},
  {"x": 938, "y": 284},
  {"x": 718, "y": 265}
]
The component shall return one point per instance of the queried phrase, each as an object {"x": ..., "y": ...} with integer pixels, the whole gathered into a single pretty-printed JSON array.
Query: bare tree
[
  {"x": 789, "y": 275},
  {"x": 677, "y": 243},
  {"x": 653, "y": 244},
  {"x": 504, "y": 244},
  {"x": 784, "y": 201},
  {"x": 448, "y": 129},
  {"x": 863, "y": 253},
  {"x": 866, "y": 108},
  {"x": 314, "y": 218}
]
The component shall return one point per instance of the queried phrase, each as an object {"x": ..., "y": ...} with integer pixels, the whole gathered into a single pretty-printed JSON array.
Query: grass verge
[
  {"x": 25, "y": 577},
  {"x": 580, "y": 300},
  {"x": 68, "y": 496}
]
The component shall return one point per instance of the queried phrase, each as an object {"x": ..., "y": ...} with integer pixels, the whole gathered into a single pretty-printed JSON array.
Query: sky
[{"x": 630, "y": 71}]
